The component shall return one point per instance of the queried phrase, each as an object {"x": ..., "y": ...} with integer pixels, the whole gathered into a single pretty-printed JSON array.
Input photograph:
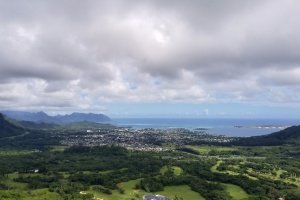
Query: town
[{"x": 149, "y": 139}]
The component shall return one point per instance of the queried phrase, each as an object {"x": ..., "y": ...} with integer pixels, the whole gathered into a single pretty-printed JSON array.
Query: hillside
[
  {"x": 288, "y": 135},
  {"x": 42, "y": 117},
  {"x": 8, "y": 129},
  {"x": 69, "y": 126},
  {"x": 37, "y": 125},
  {"x": 85, "y": 125}
]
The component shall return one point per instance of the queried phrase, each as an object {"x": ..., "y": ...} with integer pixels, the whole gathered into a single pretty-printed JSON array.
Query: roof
[{"x": 154, "y": 197}]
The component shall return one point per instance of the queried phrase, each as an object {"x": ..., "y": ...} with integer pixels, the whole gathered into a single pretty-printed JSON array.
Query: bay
[{"x": 219, "y": 126}]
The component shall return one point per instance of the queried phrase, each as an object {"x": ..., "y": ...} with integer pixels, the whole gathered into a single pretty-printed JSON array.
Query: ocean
[{"x": 228, "y": 127}]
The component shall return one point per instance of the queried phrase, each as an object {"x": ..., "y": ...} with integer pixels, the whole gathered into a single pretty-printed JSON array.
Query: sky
[{"x": 138, "y": 58}]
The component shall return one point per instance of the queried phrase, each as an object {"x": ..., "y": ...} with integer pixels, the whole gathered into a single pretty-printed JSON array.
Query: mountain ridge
[{"x": 58, "y": 119}]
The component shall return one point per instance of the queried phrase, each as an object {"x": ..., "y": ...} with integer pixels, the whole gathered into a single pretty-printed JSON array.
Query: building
[{"x": 154, "y": 197}]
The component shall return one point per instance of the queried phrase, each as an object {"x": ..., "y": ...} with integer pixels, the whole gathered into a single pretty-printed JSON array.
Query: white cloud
[{"x": 75, "y": 54}]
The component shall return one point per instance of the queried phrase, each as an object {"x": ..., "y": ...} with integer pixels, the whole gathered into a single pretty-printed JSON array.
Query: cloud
[{"x": 76, "y": 55}]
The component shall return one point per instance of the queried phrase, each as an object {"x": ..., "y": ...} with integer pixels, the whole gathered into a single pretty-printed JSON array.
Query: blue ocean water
[{"x": 229, "y": 127}]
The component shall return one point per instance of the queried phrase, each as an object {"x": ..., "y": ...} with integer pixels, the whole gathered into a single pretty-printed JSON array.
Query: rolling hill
[{"x": 286, "y": 136}]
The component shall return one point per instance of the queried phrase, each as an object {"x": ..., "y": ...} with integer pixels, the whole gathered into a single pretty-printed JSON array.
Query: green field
[
  {"x": 205, "y": 149},
  {"x": 12, "y": 184},
  {"x": 214, "y": 169},
  {"x": 183, "y": 191},
  {"x": 236, "y": 192},
  {"x": 15, "y": 152},
  {"x": 58, "y": 148},
  {"x": 39, "y": 194},
  {"x": 277, "y": 177},
  {"x": 130, "y": 192},
  {"x": 176, "y": 170}
]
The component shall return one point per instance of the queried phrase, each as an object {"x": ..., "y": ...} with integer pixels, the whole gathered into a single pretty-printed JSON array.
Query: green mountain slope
[
  {"x": 37, "y": 125},
  {"x": 85, "y": 125},
  {"x": 8, "y": 129},
  {"x": 286, "y": 136}
]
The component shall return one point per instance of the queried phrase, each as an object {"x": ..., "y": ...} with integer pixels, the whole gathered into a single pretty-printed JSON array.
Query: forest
[{"x": 81, "y": 172}]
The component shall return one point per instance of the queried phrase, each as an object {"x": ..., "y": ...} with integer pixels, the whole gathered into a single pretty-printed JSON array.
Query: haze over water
[{"x": 246, "y": 127}]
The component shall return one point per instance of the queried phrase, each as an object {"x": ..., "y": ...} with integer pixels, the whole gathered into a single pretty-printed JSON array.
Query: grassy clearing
[
  {"x": 12, "y": 184},
  {"x": 251, "y": 177},
  {"x": 14, "y": 152},
  {"x": 163, "y": 170},
  {"x": 176, "y": 170},
  {"x": 58, "y": 148},
  {"x": 279, "y": 172},
  {"x": 205, "y": 149},
  {"x": 277, "y": 177},
  {"x": 214, "y": 169},
  {"x": 40, "y": 194},
  {"x": 182, "y": 191},
  {"x": 130, "y": 192},
  {"x": 236, "y": 192},
  {"x": 109, "y": 171}
]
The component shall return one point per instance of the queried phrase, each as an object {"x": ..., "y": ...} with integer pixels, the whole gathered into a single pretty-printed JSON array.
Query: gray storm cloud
[{"x": 81, "y": 53}]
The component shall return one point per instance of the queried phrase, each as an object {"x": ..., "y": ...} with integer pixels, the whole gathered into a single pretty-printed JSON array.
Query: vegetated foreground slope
[{"x": 114, "y": 173}]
